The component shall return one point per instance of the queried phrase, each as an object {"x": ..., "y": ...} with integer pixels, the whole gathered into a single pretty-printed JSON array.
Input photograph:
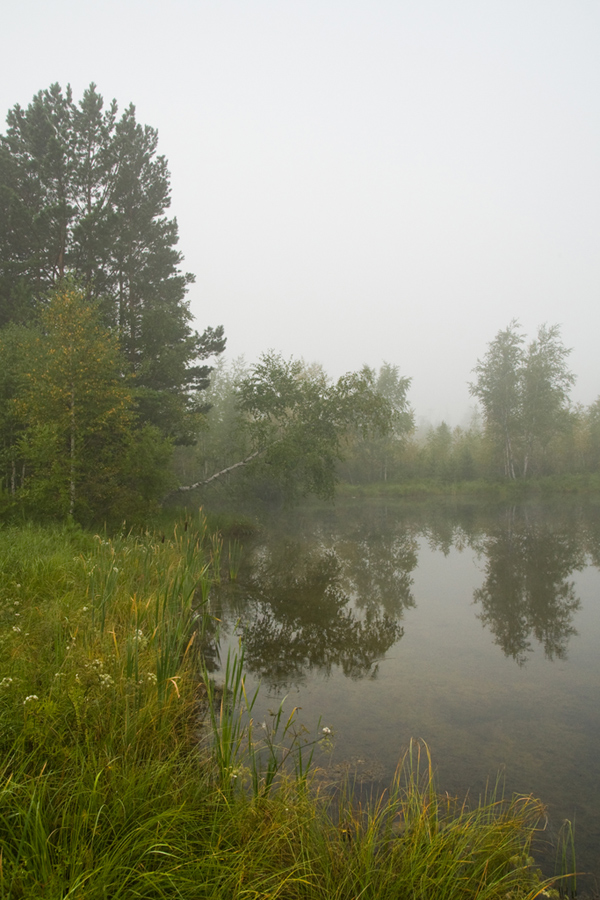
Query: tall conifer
[{"x": 84, "y": 192}]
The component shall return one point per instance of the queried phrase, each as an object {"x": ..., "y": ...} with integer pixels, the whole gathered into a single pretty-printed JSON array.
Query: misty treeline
[
  {"x": 108, "y": 398},
  {"x": 304, "y": 425},
  {"x": 524, "y": 427}
]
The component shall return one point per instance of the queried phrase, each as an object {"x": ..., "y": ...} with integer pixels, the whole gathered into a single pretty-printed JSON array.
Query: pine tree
[{"x": 83, "y": 192}]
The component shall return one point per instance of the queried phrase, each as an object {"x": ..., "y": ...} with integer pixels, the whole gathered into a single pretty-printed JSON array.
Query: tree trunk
[
  {"x": 509, "y": 466},
  {"x": 237, "y": 465}
]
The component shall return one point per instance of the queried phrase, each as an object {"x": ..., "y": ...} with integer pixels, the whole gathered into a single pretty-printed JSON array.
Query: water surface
[{"x": 474, "y": 628}]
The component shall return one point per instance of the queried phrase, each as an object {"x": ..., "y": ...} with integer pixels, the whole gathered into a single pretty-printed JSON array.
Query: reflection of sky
[
  {"x": 448, "y": 682},
  {"x": 359, "y": 181}
]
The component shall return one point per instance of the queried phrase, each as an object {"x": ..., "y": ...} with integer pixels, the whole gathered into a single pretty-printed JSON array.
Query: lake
[{"x": 473, "y": 627}]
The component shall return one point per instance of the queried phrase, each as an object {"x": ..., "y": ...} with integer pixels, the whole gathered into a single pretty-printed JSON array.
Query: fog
[{"x": 359, "y": 181}]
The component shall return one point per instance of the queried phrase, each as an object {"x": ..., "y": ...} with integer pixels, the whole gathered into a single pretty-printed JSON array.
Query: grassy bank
[
  {"x": 125, "y": 774},
  {"x": 484, "y": 489}
]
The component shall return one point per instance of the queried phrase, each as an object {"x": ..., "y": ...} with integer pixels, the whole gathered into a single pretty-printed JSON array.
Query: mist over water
[{"x": 474, "y": 628}]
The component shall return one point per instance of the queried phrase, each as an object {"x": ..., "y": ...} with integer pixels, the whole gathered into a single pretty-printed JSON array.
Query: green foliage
[
  {"x": 221, "y": 440},
  {"x": 83, "y": 191},
  {"x": 453, "y": 455},
  {"x": 498, "y": 387},
  {"x": 378, "y": 457},
  {"x": 439, "y": 452},
  {"x": 298, "y": 421},
  {"x": 72, "y": 443},
  {"x": 592, "y": 437},
  {"x": 286, "y": 425},
  {"x": 76, "y": 406},
  {"x": 16, "y": 344},
  {"x": 524, "y": 394}
]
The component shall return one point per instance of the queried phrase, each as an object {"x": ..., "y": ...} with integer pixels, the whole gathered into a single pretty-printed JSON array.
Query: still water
[{"x": 474, "y": 628}]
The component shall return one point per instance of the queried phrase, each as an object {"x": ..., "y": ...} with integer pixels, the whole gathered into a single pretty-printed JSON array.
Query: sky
[{"x": 359, "y": 181}]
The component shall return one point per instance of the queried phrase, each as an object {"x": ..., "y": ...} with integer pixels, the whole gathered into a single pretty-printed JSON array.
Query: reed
[
  {"x": 234, "y": 555},
  {"x": 414, "y": 842},
  {"x": 227, "y": 713},
  {"x": 215, "y": 555},
  {"x": 566, "y": 860},
  {"x": 108, "y": 790}
]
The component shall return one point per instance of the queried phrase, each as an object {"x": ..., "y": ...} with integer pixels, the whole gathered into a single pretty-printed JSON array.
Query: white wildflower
[
  {"x": 6, "y": 682},
  {"x": 30, "y": 698},
  {"x": 326, "y": 730},
  {"x": 16, "y": 629},
  {"x": 140, "y": 638}
]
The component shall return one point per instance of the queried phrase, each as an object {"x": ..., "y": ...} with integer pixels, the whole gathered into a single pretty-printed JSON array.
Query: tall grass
[
  {"x": 248, "y": 755},
  {"x": 235, "y": 558},
  {"x": 111, "y": 786},
  {"x": 414, "y": 842}
]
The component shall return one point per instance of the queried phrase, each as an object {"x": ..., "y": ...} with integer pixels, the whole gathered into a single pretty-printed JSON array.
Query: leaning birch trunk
[{"x": 237, "y": 465}]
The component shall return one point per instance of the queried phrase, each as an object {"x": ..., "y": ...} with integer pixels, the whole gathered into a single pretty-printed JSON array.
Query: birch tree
[
  {"x": 546, "y": 382},
  {"x": 498, "y": 388},
  {"x": 524, "y": 392},
  {"x": 77, "y": 406},
  {"x": 295, "y": 423}
]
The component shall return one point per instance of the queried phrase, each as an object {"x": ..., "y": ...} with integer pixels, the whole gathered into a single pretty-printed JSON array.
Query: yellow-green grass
[{"x": 112, "y": 787}]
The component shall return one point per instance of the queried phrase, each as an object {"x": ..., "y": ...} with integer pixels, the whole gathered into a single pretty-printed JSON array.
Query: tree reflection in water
[
  {"x": 331, "y": 590},
  {"x": 333, "y": 601},
  {"x": 527, "y": 593},
  {"x": 325, "y": 591},
  {"x": 304, "y": 620}
]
